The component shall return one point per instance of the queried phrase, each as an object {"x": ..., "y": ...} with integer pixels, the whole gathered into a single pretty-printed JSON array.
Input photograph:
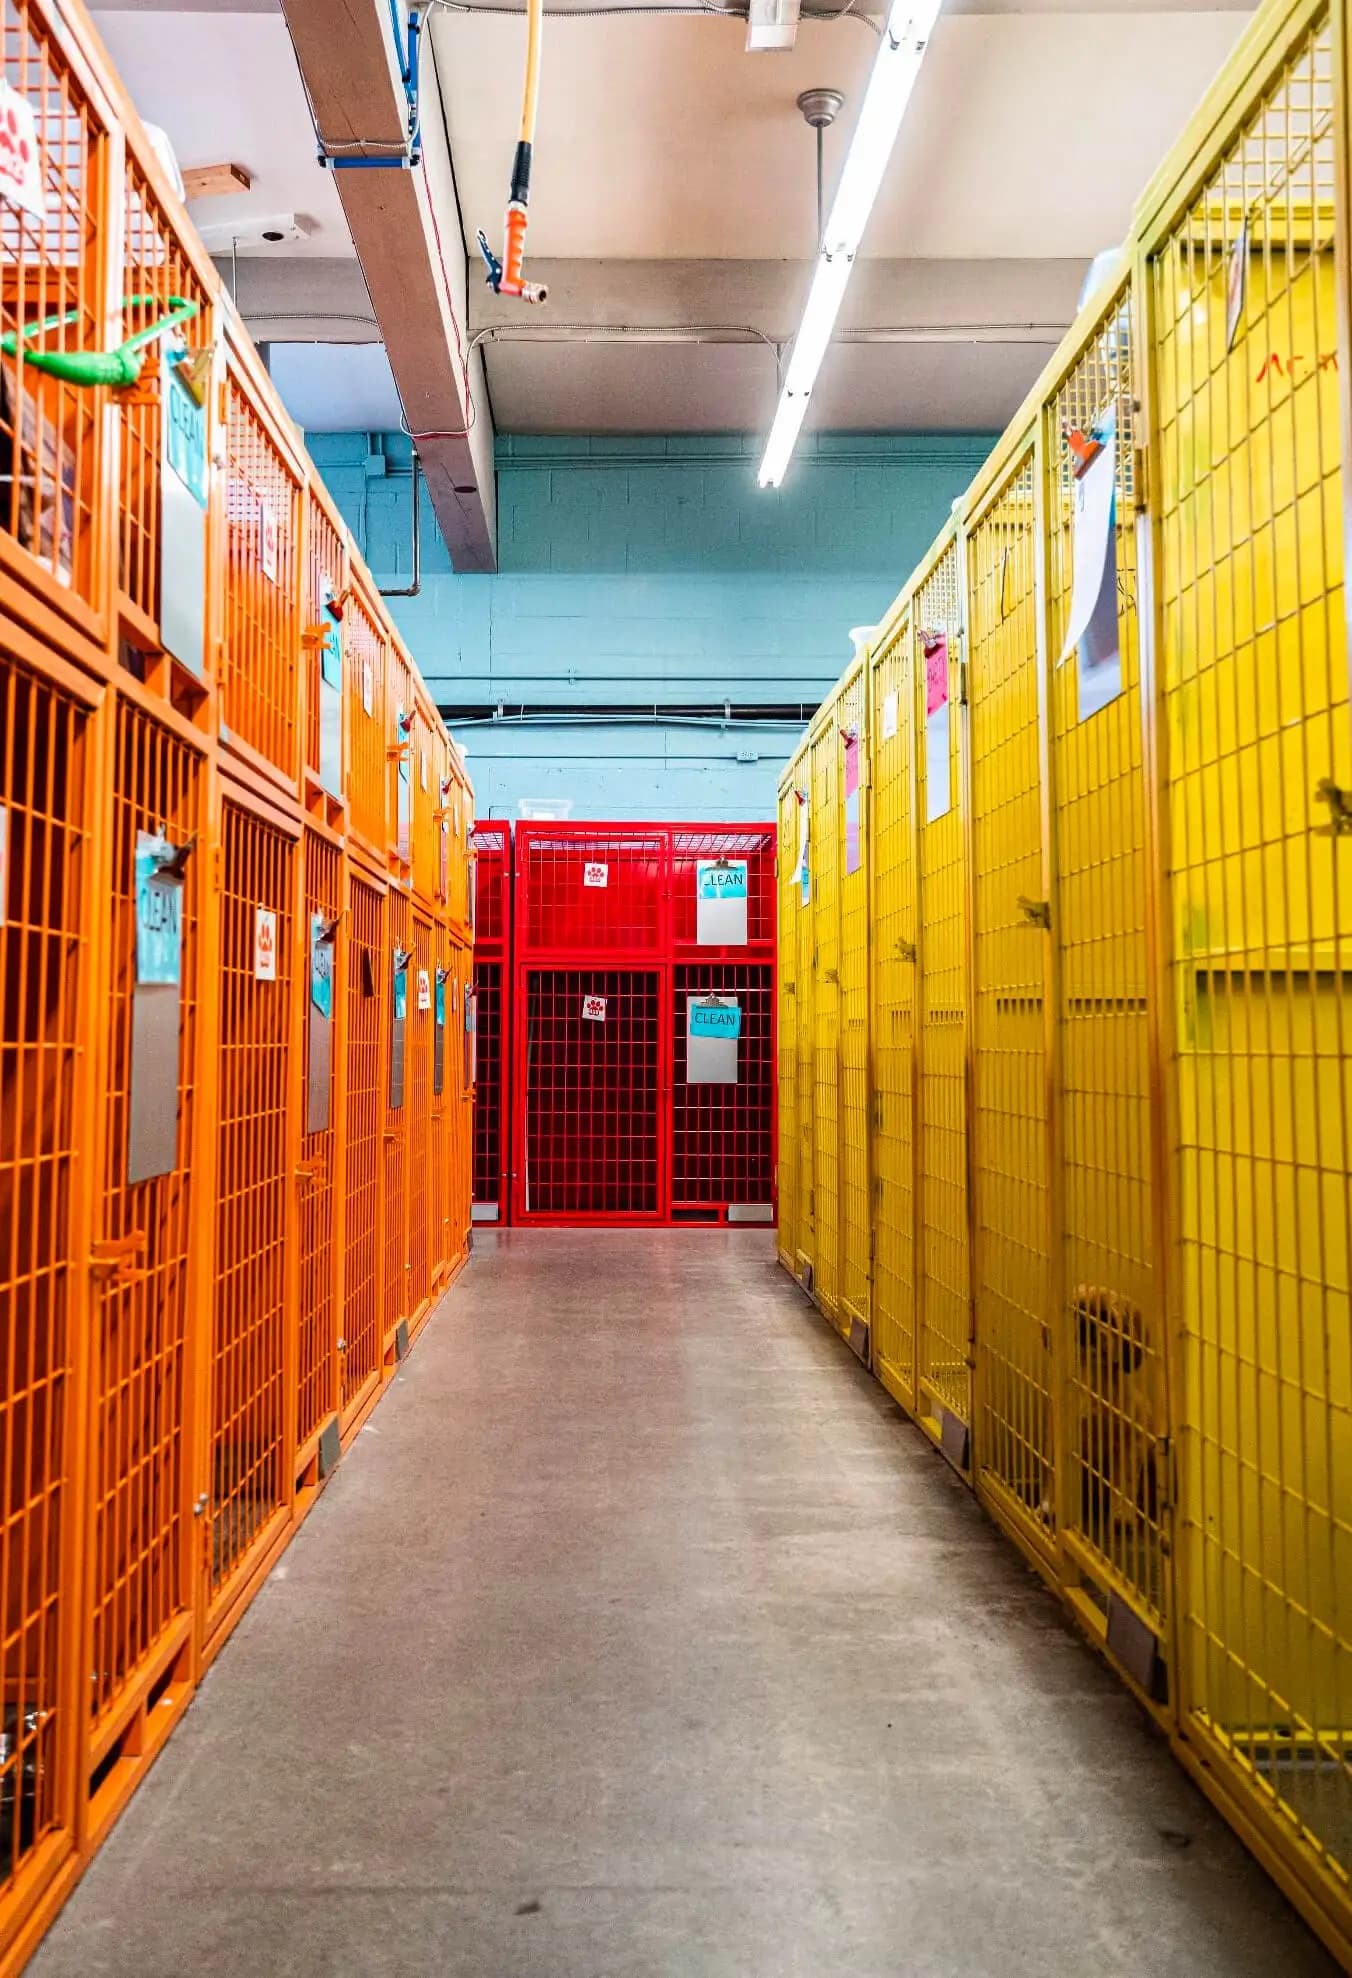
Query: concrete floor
[{"x": 639, "y": 1634}]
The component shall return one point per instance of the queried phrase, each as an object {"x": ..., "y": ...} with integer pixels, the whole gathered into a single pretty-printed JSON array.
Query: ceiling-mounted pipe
[{"x": 412, "y": 590}]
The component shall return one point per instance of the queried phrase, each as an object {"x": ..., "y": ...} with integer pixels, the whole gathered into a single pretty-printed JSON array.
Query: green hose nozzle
[{"x": 115, "y": 368}]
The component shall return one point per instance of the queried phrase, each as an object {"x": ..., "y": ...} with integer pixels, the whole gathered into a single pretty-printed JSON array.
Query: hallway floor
[{"x": 638, "y": 1634}]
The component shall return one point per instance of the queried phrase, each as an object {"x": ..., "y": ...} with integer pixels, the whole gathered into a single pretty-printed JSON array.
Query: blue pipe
[{"x": 409, "y": 74}]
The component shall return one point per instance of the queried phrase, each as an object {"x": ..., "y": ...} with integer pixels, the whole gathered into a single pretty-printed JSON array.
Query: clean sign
[{"x": 721, "y": 903}]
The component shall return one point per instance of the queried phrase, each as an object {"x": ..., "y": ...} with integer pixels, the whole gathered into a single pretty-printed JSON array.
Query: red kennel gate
[
  {"x": 491, "y": 844},
  {"x": 631, "y": 942}
]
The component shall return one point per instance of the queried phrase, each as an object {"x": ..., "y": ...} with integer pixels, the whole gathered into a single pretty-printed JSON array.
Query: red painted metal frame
[
  {"x": 573, "y": 1132},
  {"x": 491, "y": 842}
]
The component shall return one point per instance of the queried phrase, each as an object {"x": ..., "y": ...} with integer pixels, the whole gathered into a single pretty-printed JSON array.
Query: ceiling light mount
[{"x": 821, "y": 107}]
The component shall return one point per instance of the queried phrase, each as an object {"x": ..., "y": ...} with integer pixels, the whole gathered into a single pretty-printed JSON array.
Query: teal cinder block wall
[{"x": 649, "y": 577}]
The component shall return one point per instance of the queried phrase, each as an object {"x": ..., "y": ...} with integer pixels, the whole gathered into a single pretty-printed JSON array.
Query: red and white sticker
[
  {"x": 267, "y": 540},
  {"x": 594, "y": 1009},
  {"x": 424, "y": 990},
  {"x": 594, "y": 874},
  {"x": 20, "y": 160},
  {"x": 265, "y": 945}
]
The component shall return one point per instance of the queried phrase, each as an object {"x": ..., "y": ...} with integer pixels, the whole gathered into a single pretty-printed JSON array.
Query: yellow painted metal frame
[{"x": 1149, "y": 1269}]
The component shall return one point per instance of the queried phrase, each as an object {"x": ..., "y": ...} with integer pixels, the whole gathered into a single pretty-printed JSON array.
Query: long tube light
[{"x": 895, "y": 68}]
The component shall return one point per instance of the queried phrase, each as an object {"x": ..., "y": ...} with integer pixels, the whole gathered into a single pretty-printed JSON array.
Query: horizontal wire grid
[
  {"x": 942, "y": 1165},
  {"x": 418, "y": 1057},
  {"x": 786, "y": 1154},
  {"x": 1255, "y": 685},
  {"x": 396, "y": 1135},
  {"x": 1111, "y": 1324},
  {"x": 43, "y": 951},
  {"x": 363, "y": 1346},
  {"x": 492, "y": 846},
  {"x": 155, "y": 269},
  {"x": 488, "y": 1096},
  {"x": 722, "y": 1149},
  {"x": 855, "y": 1221},
  {"x": 49, "y": 431},
  {"x": 365, "y": 649},
  {"x": 592, "y": 1091},
  {"x": 318, "y": 1186},
  {"x": 825, "y": 1085},
  {"x": 592, "y": 890},
  {"x": 254, "y": 1167},
  {"x": 262, "y": 585},
  {"x": 140, "y": 1488},
  {"x": 324, "y": 564},
  {"x": 752, "y": 844},
  {"x": 1013, "y": 1433},
  {"x": 893, "y": 1012}
]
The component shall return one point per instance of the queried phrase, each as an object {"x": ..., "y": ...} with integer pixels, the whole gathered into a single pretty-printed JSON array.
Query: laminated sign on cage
[
  {"x": 720, "y": 903},
  {"x": 713, "y": 1028}
]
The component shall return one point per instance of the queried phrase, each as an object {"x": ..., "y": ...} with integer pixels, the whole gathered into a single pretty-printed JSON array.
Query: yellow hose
[{"x": 535, "y": 21}]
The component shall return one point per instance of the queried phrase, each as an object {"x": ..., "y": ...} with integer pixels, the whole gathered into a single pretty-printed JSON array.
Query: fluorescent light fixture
[{"x": 895, "y": 68}]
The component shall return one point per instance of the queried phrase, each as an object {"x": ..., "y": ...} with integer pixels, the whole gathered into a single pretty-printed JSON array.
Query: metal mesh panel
[
  {"x": 787, "y": 1155},
  {"x": 944, "y": 1343},
  {"x": 1258, "y": 754},
  {"x": 262, "y": 587},
  {"x": 1113, "y": 1343},
  {"x": 363, "y": 1348},
  {"x": 804, "y": 939},
  {"x": 855, "y": 1221},
  {"x": 50, "y": 447},
  {"x": 428, "y": 766},
  {"x": 422, "y": 1190},
  {"x": 457, "y": 810},
  {"x": 156, "y": 267},
  {"x": 492, "y": 846},
  {"x": 395, "y": 1305},
  {"x": 892, "y": 853},
  {"x": 365, "y": 651},
  {"x": 319, "y": 1175},
  {"x": 1011, "y": 1207},
  {"x": 325, "y": 562},
  {"x": 254, "y": 1166},
  {"x": 756, "y": 844},
  {"x": 825, "y": 1087},
  {"x": 400, "y": 775},
  {"x": 591, "y": 1092},
  {"x": 43, "y": 952},
  {"x": 592, "y": 889},
  {"x": 140, "y": 1489},
  {"x": 721, "y": 1135},
  {"x": 489, "y": 1096},
  {"x": 460, "y": 1068}
]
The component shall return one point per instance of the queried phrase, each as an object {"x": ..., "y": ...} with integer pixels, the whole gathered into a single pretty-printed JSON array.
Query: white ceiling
[
  {"x": 226, "y": 89},
  {"x": 662, "y": 144},
  {"x": 1029, "y": 134}
]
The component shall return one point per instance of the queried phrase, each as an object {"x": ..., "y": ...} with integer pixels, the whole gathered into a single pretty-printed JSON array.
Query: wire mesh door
[
  {"x": 490, "y": 1097},
  {"x": 256, "y": 1156},
  {"x": 1110, "y": 1323},
  {"x": 320, "y": 1176},
  {"x": 589, "y": 889},
  {"x": 855, "y": 1221},
  {"x": 786, "y": 1070},
  {"x": 693, "y": 846},
  {"x": 396, "y": 966},
  {"x": 944, "y": 1346},
  {"x": 51, "y": 433},
  {"x": 443, "y": 1107},
  {"x": 155, "y": 269},
  {"x": 1253, "y": 675},
  {"x": 722, "y": 1133},
  {"x": 363, "y": 1341},
  {"x": 892, "y": 859},
  {"x": 824, "y": 758},
  {"x": 142, "y": 1537},
  {"x": 365, "y": 650},
  {"x": 804, "y": 941},
  {"x": 324, "y": 643},
  {"x": 1015, "y": 1385},
  {"x": 258, "y": 680},
  {"x": 422, "y": 1192},
  {"x": 44, "y": 953},
  {"x": 589, "y": 1072}
]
